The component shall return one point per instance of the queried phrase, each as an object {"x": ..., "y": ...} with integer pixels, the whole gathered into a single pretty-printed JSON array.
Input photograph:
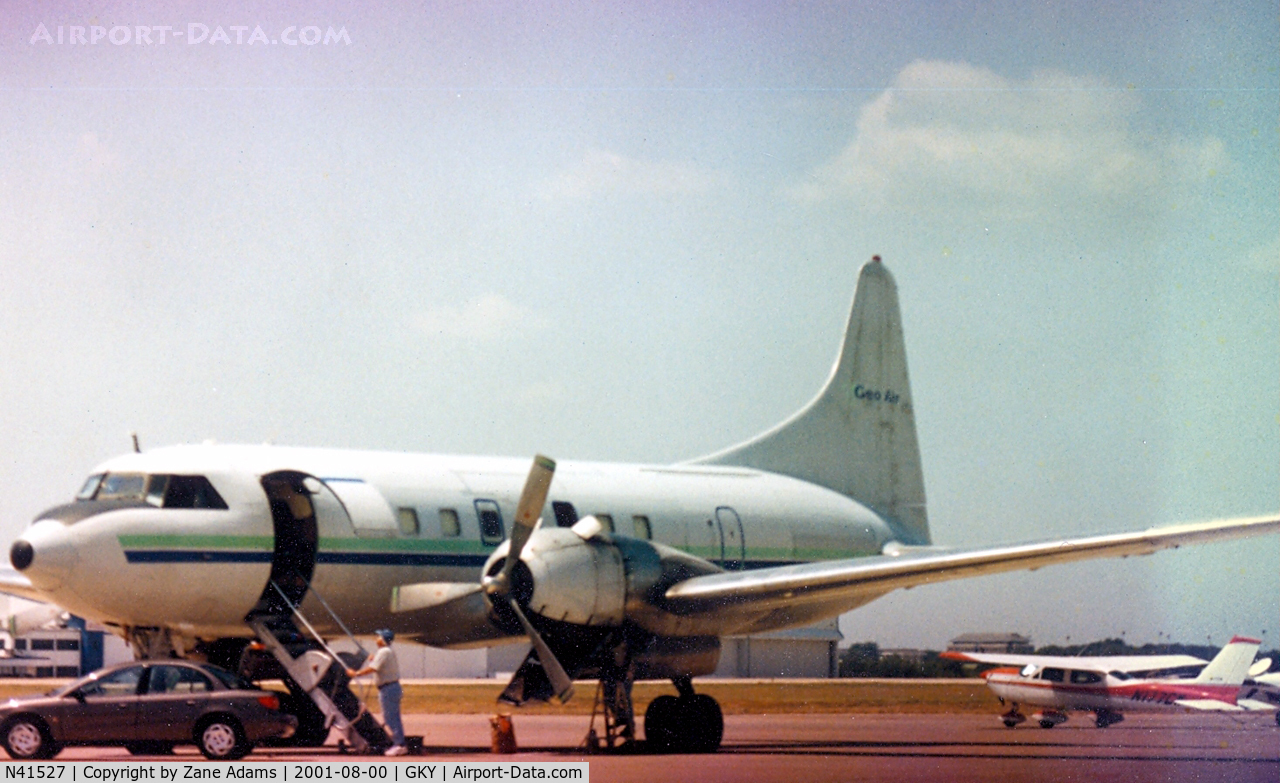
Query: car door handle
[{"x": 191, "y": 702}]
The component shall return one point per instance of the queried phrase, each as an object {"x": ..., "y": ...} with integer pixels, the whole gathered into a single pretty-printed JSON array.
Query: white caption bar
[{"x": 301, "y": 772}]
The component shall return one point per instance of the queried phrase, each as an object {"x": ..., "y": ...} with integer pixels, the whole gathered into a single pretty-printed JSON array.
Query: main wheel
[
  {"x": 705, "y": 724},
  {"x": 1047, "y": 724},
  {"x": 26, "y": 737},
  {"x": 221, "y": 739},
  {"x": 660, "y": 730}
]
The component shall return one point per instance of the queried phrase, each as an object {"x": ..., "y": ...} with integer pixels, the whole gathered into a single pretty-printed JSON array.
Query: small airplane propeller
[{"x": 497, "y": 587}]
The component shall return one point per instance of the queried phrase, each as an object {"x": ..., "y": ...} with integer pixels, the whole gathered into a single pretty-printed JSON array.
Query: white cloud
[
  {"x": 600, "y": 173},
  {"x": 1050, "y": 144},
  {"x": 484, "y": 319}
]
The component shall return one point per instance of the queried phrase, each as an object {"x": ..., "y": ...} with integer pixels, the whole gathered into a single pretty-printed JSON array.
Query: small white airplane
[
  {"x": 1261, "y": 691},
  {"x": 629, "y": 572},
  {"x": 1110, "y": 685}
]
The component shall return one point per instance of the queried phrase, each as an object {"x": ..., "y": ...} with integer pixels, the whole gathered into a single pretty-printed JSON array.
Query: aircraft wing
[
  {"x": 1102, "y": 663},
  {"x": 14, "y": 583},
  {"x": 788, "y": 590}
]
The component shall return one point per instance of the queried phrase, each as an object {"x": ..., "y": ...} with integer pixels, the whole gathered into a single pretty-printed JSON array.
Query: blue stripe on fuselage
[
  {"x": 322, "y": 558},
  {"x": 343, "y": 558}
]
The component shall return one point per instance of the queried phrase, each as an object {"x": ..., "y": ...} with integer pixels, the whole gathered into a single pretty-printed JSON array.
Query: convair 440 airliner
[{"x": 614, "y": 572}]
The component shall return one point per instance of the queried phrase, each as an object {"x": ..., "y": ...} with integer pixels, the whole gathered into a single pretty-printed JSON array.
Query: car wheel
[
  {"x": 221, "y": 738},
  {"x": 26, "y": 737}
]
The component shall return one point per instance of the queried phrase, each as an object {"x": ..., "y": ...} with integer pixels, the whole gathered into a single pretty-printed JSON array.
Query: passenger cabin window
[
  {"x": 408, "y": 519},
  {"x": 606, "y": 521},
  {"x": 1085, "y": 678},
  {"x": 1051, "y": 674},
  {"x": 490, "y": 517},
  {"x": 642, "y": 527},
  {"x": 449, "y": 526},
  {"x": 566, "y": 514}
]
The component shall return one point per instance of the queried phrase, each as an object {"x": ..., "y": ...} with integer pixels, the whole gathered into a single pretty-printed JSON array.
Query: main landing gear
[
  {"x": 1105, "y": 718},
  {"x": 1051, "y": 718},
  {"x": 687, "y": 723}
]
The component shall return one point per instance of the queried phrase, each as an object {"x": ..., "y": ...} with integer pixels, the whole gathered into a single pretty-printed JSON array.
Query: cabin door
[
  {"x": 733, "y": 549},
  {"x": 293, "y": 558}
]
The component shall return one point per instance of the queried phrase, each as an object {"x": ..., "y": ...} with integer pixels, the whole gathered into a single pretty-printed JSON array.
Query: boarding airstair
[{"x": 317, "y": 670}]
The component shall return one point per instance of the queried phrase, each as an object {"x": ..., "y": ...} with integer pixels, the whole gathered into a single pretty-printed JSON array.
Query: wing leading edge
[
  {"x": 1103, "y": 663},
  {"x": 852, "y": 582}
]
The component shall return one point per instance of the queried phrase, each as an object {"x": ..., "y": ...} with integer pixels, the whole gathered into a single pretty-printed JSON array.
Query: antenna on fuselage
[{"x": 136, "y": 448}]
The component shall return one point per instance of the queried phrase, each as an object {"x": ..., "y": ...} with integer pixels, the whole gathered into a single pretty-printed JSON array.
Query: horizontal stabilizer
[
  {"x": 429, "y": 595},
  {"x": 1208, "y": 705}
]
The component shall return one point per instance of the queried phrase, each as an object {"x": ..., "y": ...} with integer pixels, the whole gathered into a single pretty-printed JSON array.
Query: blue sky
[{"x": 611, "y": 232}]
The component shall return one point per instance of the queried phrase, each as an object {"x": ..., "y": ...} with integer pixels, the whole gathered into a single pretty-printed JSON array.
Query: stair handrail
[
  {"x": 298, "y": 614},
  {"x": 334, "y": 615}
]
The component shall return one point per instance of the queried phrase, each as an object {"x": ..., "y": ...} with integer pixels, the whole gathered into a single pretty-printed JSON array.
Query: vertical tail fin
[
  {"x": 858, "y": 436},
  {"x": 1231, "y": 664}
]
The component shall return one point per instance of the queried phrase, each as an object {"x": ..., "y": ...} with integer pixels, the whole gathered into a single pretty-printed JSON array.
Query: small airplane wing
[
  {"x": 790, "y": 589},
  {"x": 1102, "y": 663},
  {"x": 14, "y": 583}
]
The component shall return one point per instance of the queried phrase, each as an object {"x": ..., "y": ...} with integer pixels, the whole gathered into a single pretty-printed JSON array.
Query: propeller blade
[
  {"x": 532, "y": 499},
  {"x": 429, "y": 595},
  {"x": 550, "y": 664}
]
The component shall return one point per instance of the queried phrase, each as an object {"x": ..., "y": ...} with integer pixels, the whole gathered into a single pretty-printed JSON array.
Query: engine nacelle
[
  {"x": 583, "y": 576},
  {"x": 575, "y": 580}
]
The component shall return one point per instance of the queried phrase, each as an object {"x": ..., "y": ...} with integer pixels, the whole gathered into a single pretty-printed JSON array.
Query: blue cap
[{"x": 385, "y": 634}]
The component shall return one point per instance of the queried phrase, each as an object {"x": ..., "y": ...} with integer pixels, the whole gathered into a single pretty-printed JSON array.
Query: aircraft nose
[
  {"x": 45, "y": 554},
  {"x": 21, "y": 554}
]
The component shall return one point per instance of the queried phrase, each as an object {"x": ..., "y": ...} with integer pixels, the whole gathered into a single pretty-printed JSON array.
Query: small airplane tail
[
  {"x": 858, "y": 436},
  {"x": 1231, "y": 664}
]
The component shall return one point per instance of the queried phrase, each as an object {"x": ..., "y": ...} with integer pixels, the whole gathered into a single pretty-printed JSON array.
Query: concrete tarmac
[{"x": 889, "y": 747}]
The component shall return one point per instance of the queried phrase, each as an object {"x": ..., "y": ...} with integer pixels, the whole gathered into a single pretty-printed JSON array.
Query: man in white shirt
[{"x": 386, "y": 669}]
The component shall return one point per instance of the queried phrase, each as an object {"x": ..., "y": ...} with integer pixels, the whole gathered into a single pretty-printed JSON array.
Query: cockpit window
[
  {"x": 90, "y": 487},
  {"x": 191, "y": 492},
  {"x": 121, "y": 486},
  {"x": 160, "y": 490}
]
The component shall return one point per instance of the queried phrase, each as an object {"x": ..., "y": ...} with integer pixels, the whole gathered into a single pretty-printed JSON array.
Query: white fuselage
[
  {"x": 389, "y": 519},
  {"x": 1089, "y": 690}
]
